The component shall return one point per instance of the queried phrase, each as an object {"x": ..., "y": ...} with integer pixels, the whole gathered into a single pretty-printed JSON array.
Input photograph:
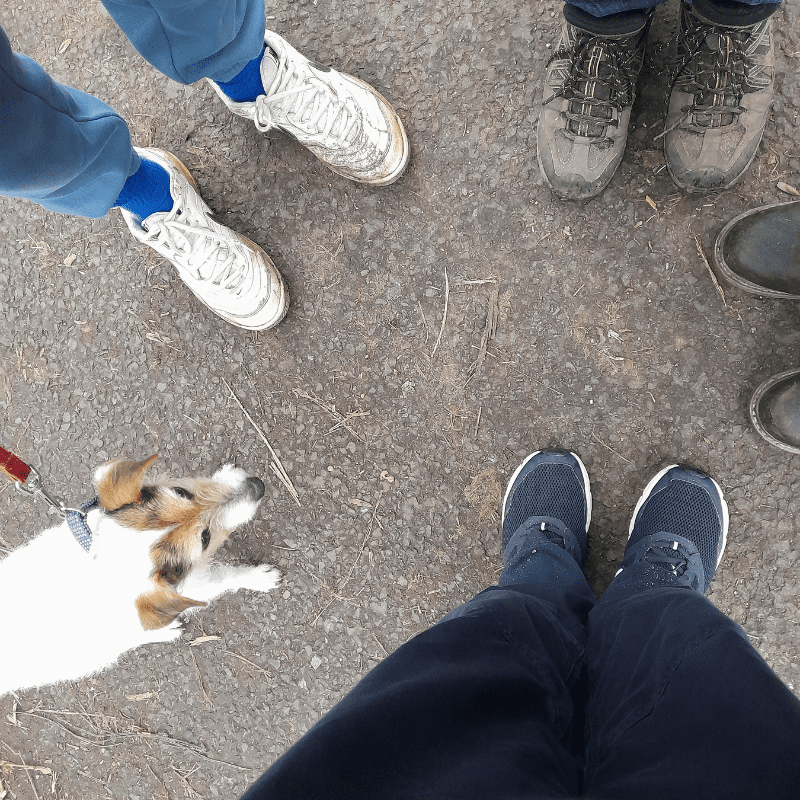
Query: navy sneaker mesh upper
[
  {"x": 684, "y": 509},
  {"x": 548, "y": 490}
]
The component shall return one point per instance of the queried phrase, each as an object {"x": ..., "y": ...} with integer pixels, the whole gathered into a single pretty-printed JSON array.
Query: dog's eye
[
  {"x": 172, "y": 574},
  {"x": 146, "y": 494},
  {"x": 206, "y": 538},
  {"x": 184, "y": 493}
]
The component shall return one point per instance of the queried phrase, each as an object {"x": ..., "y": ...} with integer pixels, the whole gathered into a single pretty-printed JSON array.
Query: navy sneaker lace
[
  {"x": 664, "y": 555},
  {"x": 553, "y": 535}
]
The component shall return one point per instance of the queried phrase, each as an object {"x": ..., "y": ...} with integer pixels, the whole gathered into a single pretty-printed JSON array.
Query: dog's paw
[
  {"x": 262, "y": 578},
  {"x": 169, "y": 633}
]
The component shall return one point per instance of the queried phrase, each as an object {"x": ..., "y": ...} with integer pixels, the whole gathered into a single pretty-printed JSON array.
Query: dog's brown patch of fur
[
  {"x": 122, "y": 482},
  {"x": 153, "y": 507},
  {"x": 175, "y": 552},
  {"x": 160, "y": 606}
]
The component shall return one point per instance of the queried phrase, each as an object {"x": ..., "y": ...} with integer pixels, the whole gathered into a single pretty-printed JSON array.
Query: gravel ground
[{"x": 603, "y": 333}]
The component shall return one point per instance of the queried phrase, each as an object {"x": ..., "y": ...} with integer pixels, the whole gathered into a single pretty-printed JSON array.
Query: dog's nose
[{"x": 255, "y": 487}]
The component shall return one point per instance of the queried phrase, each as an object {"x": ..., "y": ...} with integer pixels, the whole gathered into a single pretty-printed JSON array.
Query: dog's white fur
[{"x": 65, "y": 614}]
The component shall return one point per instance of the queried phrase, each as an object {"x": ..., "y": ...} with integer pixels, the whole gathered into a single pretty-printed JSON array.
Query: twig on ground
[
  {"x": 710, "y": 271},
  {"x": 341, "y": 420},
  {"x": 350, "y": 415},
  {"x": 158, "y": 778},
  {"x": 337, "y": 594},
  {"x": 424, "y": 321},
  {"x": 545, "y": 386},
  {"x": 118, "y": 738},
  {"x": 600, "y": 441},
  {"x": 27, "y": 771},
  {"x": 10, "y": 765},
  {"x": 189, "y": 790},
  {"x": 444, "y": 315},
  {"x": 385, "y": 651},
  {"x": 489, "y": 331},
  {"x": 275, "y": 464},
  {"x": 199, "y": 678},
  {"x": 203, "y": 640},
  {"x": 247, "y": 661},
  {"x": 478, "y": 282},
  {"x": 363, "y": 545}
]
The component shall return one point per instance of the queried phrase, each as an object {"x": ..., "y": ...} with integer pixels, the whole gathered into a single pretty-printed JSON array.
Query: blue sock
[
  {"x": 245, "y": 86},
  {"x": 146, "y": 191}
]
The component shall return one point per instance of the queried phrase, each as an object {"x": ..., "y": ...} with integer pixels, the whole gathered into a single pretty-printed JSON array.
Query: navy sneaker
[
  {"x": 679, "y": 529},
  {"x": 550, "y": 490}
]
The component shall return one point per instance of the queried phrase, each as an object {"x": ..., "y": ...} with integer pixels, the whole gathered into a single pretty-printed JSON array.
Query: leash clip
[{"x": 33, "y": 487}]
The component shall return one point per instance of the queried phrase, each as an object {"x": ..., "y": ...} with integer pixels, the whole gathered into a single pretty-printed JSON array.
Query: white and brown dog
[{"x": 66, "y": 613}]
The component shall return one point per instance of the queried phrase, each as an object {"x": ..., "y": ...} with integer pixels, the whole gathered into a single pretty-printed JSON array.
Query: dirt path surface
[{"x": 593, "y": 326}]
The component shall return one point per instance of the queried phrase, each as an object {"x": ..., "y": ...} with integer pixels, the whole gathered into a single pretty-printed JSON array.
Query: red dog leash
[
  {"x": 28, "y": 481},
  {"x": 13, "y": 468}
]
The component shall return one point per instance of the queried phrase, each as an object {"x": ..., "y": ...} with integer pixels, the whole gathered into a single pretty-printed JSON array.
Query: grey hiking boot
[
  {"x": 589, "y": 91},
  {"x": 720, "y": 99}
]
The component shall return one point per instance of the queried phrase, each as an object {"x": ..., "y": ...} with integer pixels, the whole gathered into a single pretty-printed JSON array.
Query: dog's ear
[
  {"x": 120, "y": 482},
  {"x": 159, "y": 607}
]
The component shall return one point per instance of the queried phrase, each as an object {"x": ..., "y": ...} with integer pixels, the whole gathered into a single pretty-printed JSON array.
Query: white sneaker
[
  {"x": 342, "y": 120},
  {"x": 227, "y": 272}
]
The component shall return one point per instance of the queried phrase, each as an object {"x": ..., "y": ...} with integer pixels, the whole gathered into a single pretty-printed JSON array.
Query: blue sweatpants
[
  {"x": 70, "y": 152},
  {"x": 533, "y": 690}
]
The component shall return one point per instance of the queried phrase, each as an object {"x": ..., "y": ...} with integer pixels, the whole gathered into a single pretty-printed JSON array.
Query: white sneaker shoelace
[
  {"x": 343, "y": 121},
  {"x": 307, "y": 103},
  {"x": 203, "y": 252}
]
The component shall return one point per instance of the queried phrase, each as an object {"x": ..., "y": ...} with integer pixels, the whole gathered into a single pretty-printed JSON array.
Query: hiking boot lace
[
  {"x": 602, "y": 77},
  {"x": 716, "y": 77},
  {"x": 713, "y": 65}
]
